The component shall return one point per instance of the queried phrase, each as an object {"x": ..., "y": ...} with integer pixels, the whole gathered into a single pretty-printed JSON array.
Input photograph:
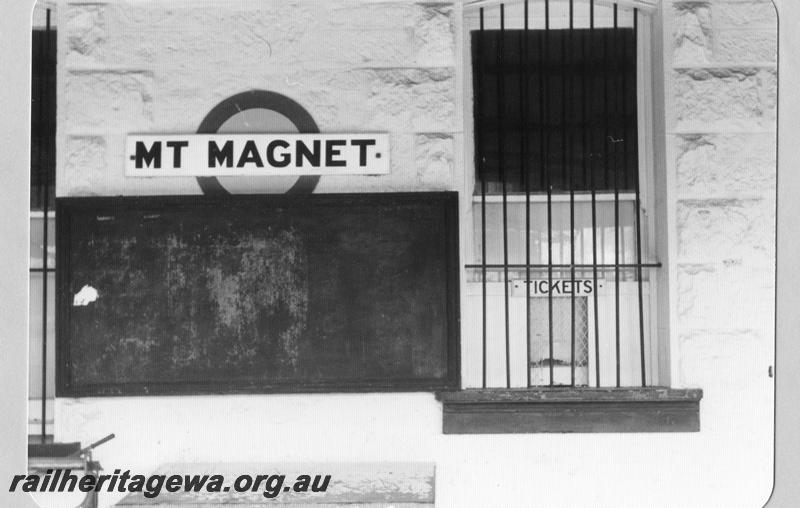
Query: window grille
[{"x": 558, "y": 196}]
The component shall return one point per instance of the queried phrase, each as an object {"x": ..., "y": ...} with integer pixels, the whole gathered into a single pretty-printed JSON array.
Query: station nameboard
[{"x": 256, "y": 154}]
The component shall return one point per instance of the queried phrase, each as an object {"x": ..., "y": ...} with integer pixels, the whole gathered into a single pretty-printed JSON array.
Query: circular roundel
[{"x": 258, "y": 111}]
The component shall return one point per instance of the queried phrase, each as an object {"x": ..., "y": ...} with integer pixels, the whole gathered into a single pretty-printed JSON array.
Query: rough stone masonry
[
  {"x": 722, "y": 137},
  {"x": 158, "y": 68}
]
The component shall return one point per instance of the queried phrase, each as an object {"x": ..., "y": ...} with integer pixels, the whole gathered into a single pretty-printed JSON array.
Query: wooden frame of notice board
[{"x": 87, "y": 225}]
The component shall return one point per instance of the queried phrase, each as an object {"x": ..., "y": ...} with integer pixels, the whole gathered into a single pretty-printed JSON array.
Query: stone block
[
  {"x": 725, "y": 99},
  {"x": 201, "y": 36},
  {"x": 259, "y": 35},
  {"x": 176, "y": 55},
  {"x": 729, "y": 295},
  {"x": 84, "y": 165},
  {"x": 715, "y": 230},
  {"x": 433, "y": 155},
  {"x": 179, "y": 108},
  {"x": 85, "y": 27},
  {"x": 375, "y": 16},
  {"x": 755, "y": 14},
  {"x": 394, "y": 100},
  {"x": 115, "y": 100},
  {"x": 726, "y": 165},
  {"x": 746, "y": 45},
  {"x": 692, "y": 36},
  {"x": 434, "y": 100},
  {"x": 434, "y": 35},
  {"x": 349, "y": 47}
]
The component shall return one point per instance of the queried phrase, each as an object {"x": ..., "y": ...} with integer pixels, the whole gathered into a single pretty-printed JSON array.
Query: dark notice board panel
[{"x": 257, "y": 294}]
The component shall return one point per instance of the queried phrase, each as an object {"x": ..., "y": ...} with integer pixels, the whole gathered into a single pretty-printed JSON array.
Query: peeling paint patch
[{"x": 85, "y": 296}]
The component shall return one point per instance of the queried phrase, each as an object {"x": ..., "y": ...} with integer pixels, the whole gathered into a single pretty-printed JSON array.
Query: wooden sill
[{"x": 561, "y": 410}]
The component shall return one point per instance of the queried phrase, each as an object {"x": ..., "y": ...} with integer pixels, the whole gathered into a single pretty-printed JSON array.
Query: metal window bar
[
  {"x": 479, "y": 94},
  {"x": 616, "y": 221},
  {"x": 638, "y": 207},
  {"x": 594, "y": 228},
  {"x": 571, "y": 205},
  {"x": 523, "y": 168},
  {"x": 501, "y": 167},
  {"x": 546, "y": 170},
  {"x": 618, "y": 165}
]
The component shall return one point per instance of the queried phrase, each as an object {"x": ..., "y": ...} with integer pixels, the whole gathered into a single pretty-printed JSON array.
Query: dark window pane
[
  {"x": 43, "y": 118},
  {"x": 560, "y": 103}
]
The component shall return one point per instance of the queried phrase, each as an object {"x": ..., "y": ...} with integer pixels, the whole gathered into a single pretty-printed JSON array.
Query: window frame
[
  {"x": 43, "y": 81},
  {"x": 48, "y": 269},
  {"x": 563, "y": 410},
  {"x": 653, "y": 250}
]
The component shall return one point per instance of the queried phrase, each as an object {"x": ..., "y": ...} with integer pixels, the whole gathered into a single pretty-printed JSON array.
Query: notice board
[{"x": 257, "y": 294}]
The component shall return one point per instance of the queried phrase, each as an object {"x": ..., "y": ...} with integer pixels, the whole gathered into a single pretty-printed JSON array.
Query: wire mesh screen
[{"x": 562, "y": 337}]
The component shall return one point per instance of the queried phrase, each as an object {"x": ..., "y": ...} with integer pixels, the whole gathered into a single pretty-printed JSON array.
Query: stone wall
[
  {"x": 160, "y": 68},
  {"x": 149, "y": 67},
  {"x": 722, "y": 146}
]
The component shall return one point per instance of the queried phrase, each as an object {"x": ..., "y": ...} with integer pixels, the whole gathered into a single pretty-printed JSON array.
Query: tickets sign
[
  {"x": 556, "y": 287},
  {"x": 256, "y": 154}
]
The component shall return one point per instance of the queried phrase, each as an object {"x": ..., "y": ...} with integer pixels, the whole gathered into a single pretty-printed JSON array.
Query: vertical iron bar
[
  {"x": 549, "y": 202},
  {"x": 616, "y": 231},
  {"x": 594, "y": 215},
  {"x": 523, "y": 153},
  {"x": 482, "y": 173},
  {"x": 637, "y": 218},
  {"x": 502, "y": 169},
  {"x": 571, "y": 214},
  {"x": 44, "y": 48}
]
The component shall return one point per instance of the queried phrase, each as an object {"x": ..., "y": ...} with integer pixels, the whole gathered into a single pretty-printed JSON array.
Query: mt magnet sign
[{"x": 256, "y": 154}]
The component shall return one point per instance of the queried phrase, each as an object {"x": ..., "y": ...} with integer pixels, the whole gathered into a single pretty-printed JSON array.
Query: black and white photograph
[{"x": 400, "y": 254}]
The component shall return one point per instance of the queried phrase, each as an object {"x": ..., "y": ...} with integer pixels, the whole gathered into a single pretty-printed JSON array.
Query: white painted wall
[
  {"x": 394, "y": 67},
  {"x": 147, "y": 67}
]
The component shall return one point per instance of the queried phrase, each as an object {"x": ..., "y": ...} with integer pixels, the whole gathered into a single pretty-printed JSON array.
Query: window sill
[{"x": 561, "y": 410}]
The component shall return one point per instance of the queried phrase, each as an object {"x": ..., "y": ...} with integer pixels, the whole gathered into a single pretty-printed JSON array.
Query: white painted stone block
[
  {"x": 746, "y": 45},
  {"x": 85, "y": 163},
  {"x": 755, "y": 14},
  {"x": 730, "y": 295},
  {"x": 347, "y": 47},
  {"x": 179, "y": 109},
  {"x": 726, "y": 165},
  {"x": 434, "y": 35},
  {"x": 86, "y": 32},
  {"x": 725, "y": 99},
  {"x": 397, "y": 99},
  {"x": 692, "y": 37},
  {"x": 106, "y": 100},
  {"x": 716, "y": 230},
  {"x": 434, "y": 158}
]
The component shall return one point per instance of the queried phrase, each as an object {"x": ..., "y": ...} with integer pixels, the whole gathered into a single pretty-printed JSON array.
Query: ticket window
[{"x": 597, "y": 309}]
